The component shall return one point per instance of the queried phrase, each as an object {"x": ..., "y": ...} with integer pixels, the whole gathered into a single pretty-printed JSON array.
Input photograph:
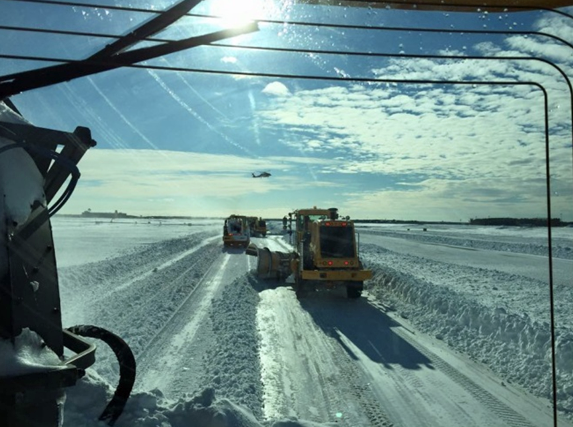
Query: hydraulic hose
[
  {"x": 58, "y": 158},
  {"x": 127, "y": 368}
]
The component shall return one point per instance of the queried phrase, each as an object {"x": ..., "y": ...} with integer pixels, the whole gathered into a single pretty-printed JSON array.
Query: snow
[
  {"x": 444, "y": 335},
  {"x": 120, "y": 281},
  {"x": 26, "y": 355},
  {"x": 503, "y": 238},
  {"x": 99, "y": 233},
  {"x": 499, "y": 319},
  {"x": 152, "y": 409},
  {"x": 87, "y": 399},
  {"x": 9, "y": 116}
]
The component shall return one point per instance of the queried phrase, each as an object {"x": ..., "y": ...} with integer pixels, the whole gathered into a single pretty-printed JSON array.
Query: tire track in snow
[
  {"x": 352, "y": 374},
  {"x": 305, "y": 374},
  {"x": 510, "y": 416},
  {"x": 362, "y": 391},
  {"x": 139, "y": 311},
  {"x": 282, "y": 373},
  {"x": 177, "y": 328},
  {"x": 157, "y": 269},
  {"x": 403, "y": 381}
]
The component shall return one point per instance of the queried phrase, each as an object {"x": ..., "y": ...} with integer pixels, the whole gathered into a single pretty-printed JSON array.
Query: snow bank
[
  {"x": 562, "y": 247},
  {"x": 495, "y": 289},
  {"x": 230, "y": 371},
  {"x": 88, "y": 398},
  {"x": 508, "y": 338},
  {"x": 232, "y": 363},
  {"x": 135, "y": 294}
]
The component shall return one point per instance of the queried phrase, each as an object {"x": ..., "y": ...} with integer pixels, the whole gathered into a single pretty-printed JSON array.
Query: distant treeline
[{"x": 521, "y": 222}]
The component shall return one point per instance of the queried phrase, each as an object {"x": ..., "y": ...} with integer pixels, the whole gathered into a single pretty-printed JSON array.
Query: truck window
[{"x": 336, "y": 242}]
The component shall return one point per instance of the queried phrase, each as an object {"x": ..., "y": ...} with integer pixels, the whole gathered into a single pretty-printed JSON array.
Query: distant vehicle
[
  {"x": 262, "y": 175},
  {"x": 258, "y": 226},
  {"x": 236, "y": 231}
]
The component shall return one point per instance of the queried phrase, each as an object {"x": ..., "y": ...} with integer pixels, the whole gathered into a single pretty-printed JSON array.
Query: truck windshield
[{"x": 336, "y": 242}]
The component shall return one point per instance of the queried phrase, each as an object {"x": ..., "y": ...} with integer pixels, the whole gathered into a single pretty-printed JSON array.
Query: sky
[{"x": 365, "y": 133}]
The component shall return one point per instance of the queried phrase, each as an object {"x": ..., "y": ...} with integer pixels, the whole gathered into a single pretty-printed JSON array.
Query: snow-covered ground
[
  {"x": 492, "y": 304},
  {"x": 452, "y": 330}
]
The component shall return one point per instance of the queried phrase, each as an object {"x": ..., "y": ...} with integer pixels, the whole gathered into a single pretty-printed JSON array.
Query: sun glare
[{"x": 235, "y": 13}]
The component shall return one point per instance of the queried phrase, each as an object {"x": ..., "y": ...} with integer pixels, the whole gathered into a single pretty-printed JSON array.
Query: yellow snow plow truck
[
  {"x": 258, "y": 226},
  {"x": 325, "y": 254}
]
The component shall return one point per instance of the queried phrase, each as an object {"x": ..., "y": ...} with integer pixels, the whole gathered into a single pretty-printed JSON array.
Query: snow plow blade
[
  {"x": 271, "y": 264},
  {"x": 252, "y": 250}
]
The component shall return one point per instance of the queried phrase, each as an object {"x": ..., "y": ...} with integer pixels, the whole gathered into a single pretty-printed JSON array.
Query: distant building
[{"x": 90, "y": 214}]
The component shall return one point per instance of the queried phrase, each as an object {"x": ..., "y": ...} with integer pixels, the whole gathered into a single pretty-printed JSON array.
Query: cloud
[
  {"x": 439, "y": 151},
  {"x": 276, "y": 89}
]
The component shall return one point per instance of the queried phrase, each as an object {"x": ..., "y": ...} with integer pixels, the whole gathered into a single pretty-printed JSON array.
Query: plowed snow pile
[{"x": 499, "y": 319}]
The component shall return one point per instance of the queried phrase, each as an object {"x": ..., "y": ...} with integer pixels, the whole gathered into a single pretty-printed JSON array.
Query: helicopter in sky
[{"x": 262, "y": 175}]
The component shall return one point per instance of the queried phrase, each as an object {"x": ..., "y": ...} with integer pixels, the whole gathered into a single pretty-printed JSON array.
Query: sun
[{"x": 234, "y": 13}]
